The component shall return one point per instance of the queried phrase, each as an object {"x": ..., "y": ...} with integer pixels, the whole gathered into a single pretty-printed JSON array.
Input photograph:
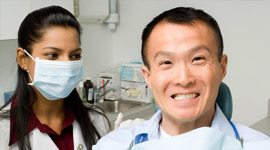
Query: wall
[
  {"x": 245, "y": 27},
  {"x": 8, "y": 67},
  {"x": 97, "y": 49}
]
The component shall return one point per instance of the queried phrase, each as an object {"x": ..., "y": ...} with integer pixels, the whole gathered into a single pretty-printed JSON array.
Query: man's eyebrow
[
  {"x": 199, "y": 48},
  {"x": 193, "y": 49},
  {"x": 163, "y": 53}
]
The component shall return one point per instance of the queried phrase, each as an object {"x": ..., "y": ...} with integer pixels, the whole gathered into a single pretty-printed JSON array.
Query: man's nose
[{"x": 183, "y": 76}]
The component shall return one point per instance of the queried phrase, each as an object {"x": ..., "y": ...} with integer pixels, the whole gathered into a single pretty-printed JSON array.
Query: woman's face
[{"x": 57, "y": 43}]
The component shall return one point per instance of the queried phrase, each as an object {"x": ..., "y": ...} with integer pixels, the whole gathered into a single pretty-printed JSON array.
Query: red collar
[{"x": 35, "y": 123}]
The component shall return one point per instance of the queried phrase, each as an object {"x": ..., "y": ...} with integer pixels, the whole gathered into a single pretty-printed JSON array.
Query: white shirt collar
[
  {"x": 163, "y": 134},
  {"x": 219, "y": 122}
]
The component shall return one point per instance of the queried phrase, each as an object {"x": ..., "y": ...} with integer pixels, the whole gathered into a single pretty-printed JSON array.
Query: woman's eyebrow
[
  {"x": 77, "y": 49},
  {"x": 60, "y": 50},
  {"x": 54, "y": 48}
]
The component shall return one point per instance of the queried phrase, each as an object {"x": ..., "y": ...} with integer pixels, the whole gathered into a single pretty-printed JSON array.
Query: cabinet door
[
  {"x": 12, "y": 13},
  {"x": 67, "y": 4}
]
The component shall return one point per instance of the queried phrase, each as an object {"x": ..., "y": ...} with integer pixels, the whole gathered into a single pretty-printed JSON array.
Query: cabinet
[
  {"x": 93, "y": 10},
  {"x": 12, "y": 13}
]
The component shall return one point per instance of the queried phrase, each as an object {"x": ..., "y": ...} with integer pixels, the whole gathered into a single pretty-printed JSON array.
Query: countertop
[
  {"x": 143, "y": 112},
  {"x": 264, "y": 124}
]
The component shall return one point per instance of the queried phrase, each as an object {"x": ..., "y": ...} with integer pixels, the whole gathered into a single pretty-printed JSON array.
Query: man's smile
[{"x": 182, "y": 97}]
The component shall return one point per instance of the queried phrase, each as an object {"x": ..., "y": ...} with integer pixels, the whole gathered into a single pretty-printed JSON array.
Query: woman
[{"x": 46, "y": 111}]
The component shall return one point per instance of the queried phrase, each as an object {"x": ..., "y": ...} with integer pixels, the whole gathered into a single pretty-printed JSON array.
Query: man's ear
[
  {"x": 223, "y": 63},
  {"x": 146, "y": 74},
  {"x": 22, "y": 59}
]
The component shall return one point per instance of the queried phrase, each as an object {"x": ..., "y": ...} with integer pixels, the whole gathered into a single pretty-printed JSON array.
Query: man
[{"x": 182, "y": 50}]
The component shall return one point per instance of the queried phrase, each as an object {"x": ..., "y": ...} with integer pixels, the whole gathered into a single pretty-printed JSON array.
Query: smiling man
[
  {"x": 184, "y": 73},
  {"x": 182, "y": 50}
]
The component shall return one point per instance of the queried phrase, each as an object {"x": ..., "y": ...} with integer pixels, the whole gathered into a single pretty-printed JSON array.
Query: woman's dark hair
[
  {"x": 31, "y": 31},
  {"x": 181, "y": 15}
]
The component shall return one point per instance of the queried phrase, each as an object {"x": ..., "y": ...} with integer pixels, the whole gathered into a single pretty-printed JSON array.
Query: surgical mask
[{"x": 56, "y": 79}]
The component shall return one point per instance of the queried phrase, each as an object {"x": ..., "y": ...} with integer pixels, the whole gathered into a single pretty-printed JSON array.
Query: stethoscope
[{"x": 143, "y": 137}]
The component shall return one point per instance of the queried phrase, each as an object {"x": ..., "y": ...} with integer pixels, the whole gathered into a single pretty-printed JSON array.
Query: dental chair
[{"x": 224, "y": 100}]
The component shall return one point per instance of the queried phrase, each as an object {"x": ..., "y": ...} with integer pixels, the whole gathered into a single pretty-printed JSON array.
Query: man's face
[{"x": 184, "y": 72}]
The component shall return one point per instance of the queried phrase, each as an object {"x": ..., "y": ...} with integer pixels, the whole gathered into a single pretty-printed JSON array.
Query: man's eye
[
  {"x": 165, "y": 63},
  {"x": 198, "y": 60}
]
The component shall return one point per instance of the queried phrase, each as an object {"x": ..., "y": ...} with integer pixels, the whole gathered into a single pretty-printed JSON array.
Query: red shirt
[{"x": 64, "y": 141}]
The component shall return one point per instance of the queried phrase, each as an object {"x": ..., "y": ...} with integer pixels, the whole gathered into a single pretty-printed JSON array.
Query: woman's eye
[
  {"x": 76, "y": 56},
  {"x": 51, "y": 55}
]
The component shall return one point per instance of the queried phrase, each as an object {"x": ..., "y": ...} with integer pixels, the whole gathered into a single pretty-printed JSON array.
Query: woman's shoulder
[
  {"x": 6, "y": 108},
  {"x": 100, "y": 121},
  {"x": 4, "y": 132},
  {"x": 98, "y": 118},
  {"x": 4, "y": 121}
]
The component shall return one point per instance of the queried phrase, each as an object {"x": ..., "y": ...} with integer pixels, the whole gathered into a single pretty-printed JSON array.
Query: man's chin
[{"x": 181, "y": 117}]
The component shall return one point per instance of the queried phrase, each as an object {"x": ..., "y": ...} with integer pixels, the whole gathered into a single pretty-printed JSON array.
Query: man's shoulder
[
  {"x": 249, "y": 134},
  {"x": 125, "y": 135}
]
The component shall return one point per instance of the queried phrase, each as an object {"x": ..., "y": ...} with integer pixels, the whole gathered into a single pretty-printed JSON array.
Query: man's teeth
[{"x": 184, "y": 96}]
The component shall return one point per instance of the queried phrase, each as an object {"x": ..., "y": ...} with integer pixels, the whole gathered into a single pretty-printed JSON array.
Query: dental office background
[{"x": 245, "y": 26}]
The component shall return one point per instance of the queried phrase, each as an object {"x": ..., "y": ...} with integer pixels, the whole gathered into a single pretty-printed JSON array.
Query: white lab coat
[
  {"x": 42, "y": 141},
  {"x": 151, "y": 127}
]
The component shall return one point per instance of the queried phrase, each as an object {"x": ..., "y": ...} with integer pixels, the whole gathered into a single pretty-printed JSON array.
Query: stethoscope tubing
[{"x": 235, "y": 130}]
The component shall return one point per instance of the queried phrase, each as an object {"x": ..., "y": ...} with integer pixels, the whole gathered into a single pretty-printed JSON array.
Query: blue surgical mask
[{"x": 56, "y": 79}]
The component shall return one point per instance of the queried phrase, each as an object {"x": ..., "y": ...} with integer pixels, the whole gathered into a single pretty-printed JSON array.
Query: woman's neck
[{"x": 50, "y": 112}]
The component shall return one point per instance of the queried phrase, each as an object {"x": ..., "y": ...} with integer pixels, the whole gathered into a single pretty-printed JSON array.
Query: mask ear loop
[
  {"x": 30, "y": 78},
  {"x": 29, "y": 55},
  {"x": 27, "y": 70}
]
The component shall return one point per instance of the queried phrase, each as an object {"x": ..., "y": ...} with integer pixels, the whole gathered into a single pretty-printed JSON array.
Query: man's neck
[{"x": 174, "y": 127}]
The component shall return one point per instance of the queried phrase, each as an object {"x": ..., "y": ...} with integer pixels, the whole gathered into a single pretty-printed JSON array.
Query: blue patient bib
[{"x": 204, "y": 138}]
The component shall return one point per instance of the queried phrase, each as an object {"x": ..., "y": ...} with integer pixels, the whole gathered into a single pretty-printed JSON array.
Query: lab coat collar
[
  {"x": 35, "y": 123},
  {"x": 42, "y": 141},
  {"x": 78, "y": 141}
]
